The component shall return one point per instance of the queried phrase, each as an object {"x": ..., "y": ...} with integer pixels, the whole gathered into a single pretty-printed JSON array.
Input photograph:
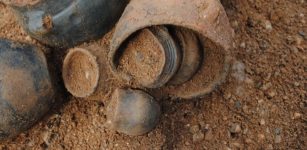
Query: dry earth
[{"x": 261, "y": 106}]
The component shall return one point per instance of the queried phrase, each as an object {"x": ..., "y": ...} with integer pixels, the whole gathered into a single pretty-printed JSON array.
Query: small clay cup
[
  {"x": 132, "y": 112},
  {"x": 80, "y": 72}
]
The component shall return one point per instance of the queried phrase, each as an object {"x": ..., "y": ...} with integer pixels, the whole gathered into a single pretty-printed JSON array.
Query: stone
[
  {"x": 268, "y": 25},
  {"x": 261, "y": 137},
  {"x": 209, "y": 135},
  {"x": 199, "y": 136},
  {"x": 235, "y": 128},
  {"x": 277, "y": 131},
  {"x": 236, "y": 145},
  {"x": 303, "y": 34},
  {"x": 227, "y": 96},
  {"x": 270, "y": 147},
  {"x": 194, "y": 129},
  {"x": 297, "y": 84},
  {"x": 278, "y": 139},
  {"x": 248, "y": 141},
  {"x": 243, "y": 45},
  {"x": 297, "y": 116},
  {"x": 238, "y": 104},
  {"x": 262, "y": 122},
  {"x": 271, "y": 94},
  {"x": 266, "y": 86}
]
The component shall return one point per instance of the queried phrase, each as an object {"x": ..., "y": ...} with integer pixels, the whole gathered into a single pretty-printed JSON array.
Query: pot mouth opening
[
  {"x": 212, "y": 72},
  {"x": 80, "y": 72},
  {"x": 117, "y": 54}
]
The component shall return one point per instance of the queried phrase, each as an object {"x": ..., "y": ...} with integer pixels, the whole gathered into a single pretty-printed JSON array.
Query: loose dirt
[
  {"x": 143, "y": 58},
  {"x": 262, "y": 104},
  {"x": 47, "y": 22}
]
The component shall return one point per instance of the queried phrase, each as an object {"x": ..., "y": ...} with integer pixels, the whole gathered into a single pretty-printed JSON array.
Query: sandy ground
[{"x": 261, "y": 106}]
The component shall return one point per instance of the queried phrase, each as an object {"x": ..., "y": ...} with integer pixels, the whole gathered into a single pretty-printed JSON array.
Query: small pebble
[
  {"x": 266, "y": 86},
  {"x": 248, "y": 141},
  {"x": 197, "y": 137},
  {"x": 45, "y": 137},
  {"x": 298, "y": 41},
  {"x": 277, "y": 131},
  {"x": 245, "y": 109},
  {"x": 270, "y": 147},
  {"x": 268, "y": 25},
  {"x": 194, "y": 129},
  {"x": 260, "y": 101},
  {"x": 235, "y": 128},
  {"x": 205, "y": 127},
  {"x": 235, "y": 24},
  {"x": 278, "y": 139},
  {"x": 227, "y": 96},
  {"x": 209, "y": 135},
  {"x": 227, "y": 148},
  {"x": 30, "y": 143},
  {"x": 243, "y": 45},
  {"x": 236, "y": 145},
  {"x": 238, "y": 104},
  {"x": 225, "y": 118},
  {"x": 303, "y": 34},
  {"x": 297, "y": 84},
  {"x": 202, "y": 125},
  {"x": 294, "y": 49},
  {"x": 271, "y": 94},
  {"x": 251, "y": 23},
  {"x": 263, "y": 45},
  {"x": 245, "y": 131},
  {"x": 297, "y": 116},
  {"x": 261, "y": 137},
  {"x": 28, "y": 38},
  {"x": 262, "y": 122}
]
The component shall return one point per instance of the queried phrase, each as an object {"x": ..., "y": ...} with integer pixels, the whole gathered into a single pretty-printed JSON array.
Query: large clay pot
[
  {"x": 66, "y": 23},
  {"x": 206, "y": 18},
  {"x": 26, "y": 92}
]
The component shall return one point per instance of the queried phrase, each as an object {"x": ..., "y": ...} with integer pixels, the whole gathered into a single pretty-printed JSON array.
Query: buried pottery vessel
[
  {"x": 26, "y": 91},
  {"x": 132, "y": 112},
  {"x": 86, "y": 73},
  {"x": 66, "y": 23},
  {"x": 206, "y": 18}
]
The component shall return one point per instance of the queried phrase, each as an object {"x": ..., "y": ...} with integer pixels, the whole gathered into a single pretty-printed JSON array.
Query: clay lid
[{"x": 80, "y": 72}]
